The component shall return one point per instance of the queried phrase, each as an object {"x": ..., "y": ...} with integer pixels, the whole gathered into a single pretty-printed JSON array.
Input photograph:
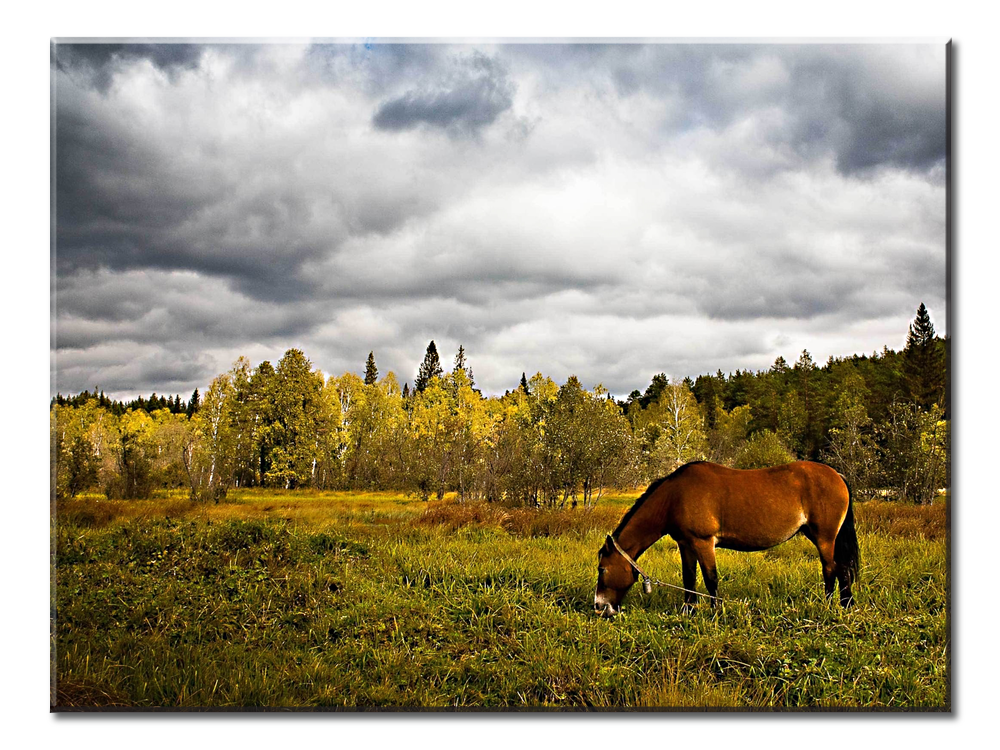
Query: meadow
[{"x": 349, "y": 600}]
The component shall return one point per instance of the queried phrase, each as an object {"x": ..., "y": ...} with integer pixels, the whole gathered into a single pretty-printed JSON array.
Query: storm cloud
[{"x": 605, "y": 210}]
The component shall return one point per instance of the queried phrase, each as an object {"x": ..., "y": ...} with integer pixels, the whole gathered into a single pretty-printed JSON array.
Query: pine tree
[
  {"x": 461, "y": 364},
  {"x": 656, "y": 386},
  {"x": 706, "y": 392},
  {"x": 808, "y": 391},
  {"x": 923, "y": 362},
  {"x": 194, "y": 403},
  {"x": 524, "y": 384},
  {"x": 371, "y": 371},
  {"x": 429, "y": 368}
]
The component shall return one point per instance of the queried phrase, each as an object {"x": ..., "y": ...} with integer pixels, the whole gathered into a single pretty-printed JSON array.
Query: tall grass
[{"x": 286, "y": 600}]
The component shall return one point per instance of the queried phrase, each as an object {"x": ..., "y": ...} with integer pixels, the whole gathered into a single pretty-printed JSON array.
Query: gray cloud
[
  {"x": 115, "y": 193},
  {"x": 130, "y": 368},
  {"x": 468, "y": 98},
  {"x": 869, "y": 105},
  {"x": 157, "y": 307},
  {"x": 97, "y": 63},
  {"x": 609, "y": 211},
  {"x": 894, "y": 135}
]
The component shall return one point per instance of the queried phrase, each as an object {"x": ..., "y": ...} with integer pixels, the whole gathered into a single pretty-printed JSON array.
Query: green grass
[{"x": 302, "y": 600}]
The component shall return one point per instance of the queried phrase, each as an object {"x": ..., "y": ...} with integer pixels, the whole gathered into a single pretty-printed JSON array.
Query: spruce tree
[
  {"x": 461, "y": 364},
  {"x": 194, "y": 403},
  {"x": 808, "y": 389},
  {"x": 924, "y": 362},
  {"x": 656, "y": 386},
  {"x": 524, "y": 384},
  {"x": 371, "y": 371},
  {"x": 429, "y": 368},
  {"x": 706, "y": 392}
]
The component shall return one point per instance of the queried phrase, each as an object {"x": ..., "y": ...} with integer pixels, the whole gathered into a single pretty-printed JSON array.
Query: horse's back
[
  {"x": 756, "y": 508},
  {"x": 798, "y": 479}
]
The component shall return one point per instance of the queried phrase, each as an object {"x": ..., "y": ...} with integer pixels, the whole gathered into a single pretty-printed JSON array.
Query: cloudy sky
[{"x": 609, "y": 211}]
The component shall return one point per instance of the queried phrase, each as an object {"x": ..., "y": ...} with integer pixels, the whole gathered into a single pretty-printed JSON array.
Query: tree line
[
  {"x": 881, "y": 420},
  {"x": 174, "y": 404}
]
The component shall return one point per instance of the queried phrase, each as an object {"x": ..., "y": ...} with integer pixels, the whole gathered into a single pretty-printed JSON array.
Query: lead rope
[{"x": 648, "y": 581}]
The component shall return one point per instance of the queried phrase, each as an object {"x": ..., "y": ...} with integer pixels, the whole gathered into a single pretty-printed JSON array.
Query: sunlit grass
[{"x": 366, "y": 600}]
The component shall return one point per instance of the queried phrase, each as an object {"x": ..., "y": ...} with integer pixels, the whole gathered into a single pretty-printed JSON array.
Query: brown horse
[{"x": 703, "y": 506}]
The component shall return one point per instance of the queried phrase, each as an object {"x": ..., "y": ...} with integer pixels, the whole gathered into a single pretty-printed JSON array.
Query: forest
[{"x": 882, "y": 420}]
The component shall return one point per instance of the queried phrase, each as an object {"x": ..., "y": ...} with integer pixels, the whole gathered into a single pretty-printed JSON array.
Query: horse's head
[{"x": 615, "y": 576}]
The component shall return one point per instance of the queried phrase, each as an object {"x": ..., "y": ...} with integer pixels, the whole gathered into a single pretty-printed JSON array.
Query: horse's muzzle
[{"x": 607, "y": 611}]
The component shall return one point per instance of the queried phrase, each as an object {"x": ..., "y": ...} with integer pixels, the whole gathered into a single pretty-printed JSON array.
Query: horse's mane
[{"x": 645, "y": 496}]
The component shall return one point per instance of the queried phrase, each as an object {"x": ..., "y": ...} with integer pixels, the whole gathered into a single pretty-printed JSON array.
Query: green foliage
[
  {"x": 81, "y": 466},
  {"x": 730, "y": 431},
  {"x": 208, "y": 451},
  {"x": 586, "y": 446},
  {"x": 299, "y": 417},
  {"x": 542, "y": 444},
  {"x": 76, "y": 462},
  {"x": 914, "y": 452},
  {"x": 673, "y": 430},
  {"x": 852, "y": 451},
  {"x": 706, "y": 391},
  {"x": 131, "y": 452},
  {"x": 761, "y": 450}
]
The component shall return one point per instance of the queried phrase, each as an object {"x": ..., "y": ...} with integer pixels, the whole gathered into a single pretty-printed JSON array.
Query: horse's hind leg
[
  {"x": 829, "y": 567},
  {"x": 825, "y": 548},
  {"x": 845, "y": 578}
]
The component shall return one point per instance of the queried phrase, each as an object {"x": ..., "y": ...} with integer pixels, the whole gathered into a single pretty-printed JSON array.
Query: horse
[{"x": 703, "y": 506}]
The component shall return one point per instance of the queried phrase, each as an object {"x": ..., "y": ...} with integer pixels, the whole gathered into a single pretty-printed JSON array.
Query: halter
[{"x": 647, "y": 580}]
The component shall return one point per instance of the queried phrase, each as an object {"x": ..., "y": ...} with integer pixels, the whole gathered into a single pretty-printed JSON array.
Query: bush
[
  {"x": 763, "y": 449},
  {"x": 914, "y": 452},
  {"x": 853, "y": 453}
]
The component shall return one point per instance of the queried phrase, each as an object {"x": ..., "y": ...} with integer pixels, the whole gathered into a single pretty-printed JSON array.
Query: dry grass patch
[
  {"x": 300, "y": 507},
  {"x": 520, "y": 522},
  {"x": 87, "y": 694},
  {"x": 903, "y": 520}
]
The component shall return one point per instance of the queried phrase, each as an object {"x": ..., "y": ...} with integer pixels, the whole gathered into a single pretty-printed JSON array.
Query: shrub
[{"x": 763, "y": 449}]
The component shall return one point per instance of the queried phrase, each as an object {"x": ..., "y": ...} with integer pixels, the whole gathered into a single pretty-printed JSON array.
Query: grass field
[{"x": 379, "y": 600}]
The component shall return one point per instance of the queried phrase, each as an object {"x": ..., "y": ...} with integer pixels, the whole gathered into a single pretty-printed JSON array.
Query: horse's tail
[{"x": 845, "y": 550}]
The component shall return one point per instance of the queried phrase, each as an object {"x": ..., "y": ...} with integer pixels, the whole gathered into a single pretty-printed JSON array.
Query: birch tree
[{"x": 681, "y": 438}]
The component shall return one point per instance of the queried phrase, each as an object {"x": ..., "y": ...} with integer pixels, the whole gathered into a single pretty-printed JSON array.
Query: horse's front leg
[
  {"x": 689, "y": 572},
  {"x": 705, "y": 550}
]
